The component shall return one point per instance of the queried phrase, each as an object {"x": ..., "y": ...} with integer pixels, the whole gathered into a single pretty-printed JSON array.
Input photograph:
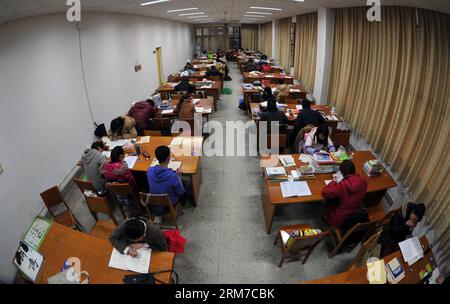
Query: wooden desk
[
  {"x": 190, "y": 164},
  {"x": 293, "y": 93},
  {"x": 169, "y": 88},
  {"x": 359, "y": 275},
  {"x": 94, "y": 253},
  {"x": 206, "y": 103},
  {"x": 249, "y": 78},
  {"x": 333, "y": 123},
  {"x": 272, "y": 196}
]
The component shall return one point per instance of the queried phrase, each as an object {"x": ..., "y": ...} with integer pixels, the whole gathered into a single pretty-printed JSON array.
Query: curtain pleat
[
  {"x": 390, "y": 81},
  {"x": 250, "y": 37},
  {"x": 266, "y": 37},
  {"x": 284, "y": 44},
  {"x": 306, "y": 49}
]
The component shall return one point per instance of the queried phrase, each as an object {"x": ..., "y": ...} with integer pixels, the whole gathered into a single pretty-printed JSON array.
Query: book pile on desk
[
  {"x": 373, "y": 167},
  {"x": 395, "y": 272},
  {"x": 276, "y": 173},
  {"x": 323, "y": 158}
]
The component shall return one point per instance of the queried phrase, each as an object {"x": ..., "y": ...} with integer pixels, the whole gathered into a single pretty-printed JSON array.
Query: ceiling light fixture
[
  {"x": 190, "y": 17},
  {"x": 256, "y": 16},
  {"x": 260, "y": 13},
  {"x": 154, "y": 2},
  {"x": 183, "y": 9},
  {"x": 191, "y": 14},
  {"x": 266, "y": 8}
]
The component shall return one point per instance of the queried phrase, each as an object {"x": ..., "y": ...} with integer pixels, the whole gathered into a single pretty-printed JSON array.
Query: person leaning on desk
[{"x": 136, "y": 233}]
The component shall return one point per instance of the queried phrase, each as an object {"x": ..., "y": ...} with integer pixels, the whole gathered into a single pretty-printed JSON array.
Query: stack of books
[
  {"x": 373, "y": 167},
  {"x": 395, "y": 272},
  {"x": 276, "y": 173},
  {"x": 323, "y": 158}
]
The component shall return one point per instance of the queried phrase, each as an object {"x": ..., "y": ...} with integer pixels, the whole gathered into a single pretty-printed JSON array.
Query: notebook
[
  {"x": 167, "y": 111},
  {"x": 174, "y": 165},
  {"x": 131, "y": 161},
  {"x": 177, "y": 141},
  {"x": 287, "y": 160},
  {"x": 144, "y": 140},
  {"x": 140, "y": 264},
  {"x": 293, "y": 189}
]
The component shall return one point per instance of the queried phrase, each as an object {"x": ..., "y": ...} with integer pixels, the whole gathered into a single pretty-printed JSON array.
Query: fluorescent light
[
  {"x": 190, "y": 17},
  {"x": 266, "y": 8},
  {"x": 154, "y": 2},
  {"x": 203, "y": 20},
  {"x": 260, "y": 13},
  {"x": 183, "y": 9},
  {"x": 256, "y": 16},
  {"x": 190, "y": 14}
]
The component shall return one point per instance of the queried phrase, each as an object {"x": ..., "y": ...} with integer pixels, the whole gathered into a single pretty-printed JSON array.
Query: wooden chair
[
  {"x": 377, "y": 214},
  {"x": 292, "y": 100},
  {"x": 366, "y": 247},
  {"x": 351, "y": 238},
  {"x": 174, "y": 78},
  {"x": 160, "y": 200},
  {"x": 341, "y": 138},
  {"x": 53, "y": 198},
  {"x": 163, "y": 124},
  {"x": 123, "y": 189},
  {"x": 98, "y": 204},
  {"x": 299, "y": 244}
]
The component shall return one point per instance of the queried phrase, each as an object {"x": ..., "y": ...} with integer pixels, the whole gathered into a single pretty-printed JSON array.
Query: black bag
[
  {"x": 100, "y": 131},
  {"x": 148, "y": 278}
]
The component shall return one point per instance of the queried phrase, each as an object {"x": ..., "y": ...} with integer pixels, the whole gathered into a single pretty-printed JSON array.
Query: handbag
[
  {"x": 148, "y": 278},
  {"x": 69, "y": 276}
]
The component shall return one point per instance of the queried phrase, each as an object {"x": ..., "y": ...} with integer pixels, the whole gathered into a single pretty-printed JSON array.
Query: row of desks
[{"x": 168, "y": 88}]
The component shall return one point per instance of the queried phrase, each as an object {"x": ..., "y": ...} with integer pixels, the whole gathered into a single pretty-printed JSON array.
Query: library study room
[{"x": 216, "y": 143}]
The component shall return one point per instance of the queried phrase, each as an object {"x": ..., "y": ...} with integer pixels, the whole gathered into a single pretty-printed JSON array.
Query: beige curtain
[
  {"x": 266, "y": 39},
  {"x": 391, "y": 81},
  {"x": 306, "y": 49},
  {"x": 284, "y": 43},
  {"x": 249, "y": 34}
]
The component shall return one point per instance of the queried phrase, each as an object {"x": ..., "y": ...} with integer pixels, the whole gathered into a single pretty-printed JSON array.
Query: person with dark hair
[
  {"x": 345, "y": 197},
  {"x": 250, "y": 66},
  {"x": 267, "y": 94},
  {"x": 142, "y": 112},
  {"x": 185, "y": 108},
  {"x": 317, "y": 140},
  {"x": 185, "y": 86},
  {"x": 117, "y": 171},
  {"x": 213, "y": 71},
  {"x": 400, "y": 227},
  {"x": 122, "y": 127},
  {"x": 273, "y": 114},
  {"x": 162, "y": 180},
  {"x": 93, "y": 161},
  {"x": 136, "y": 233},
  {"x": 189, "y": 68},
  {"x": 307, "y": 116}
]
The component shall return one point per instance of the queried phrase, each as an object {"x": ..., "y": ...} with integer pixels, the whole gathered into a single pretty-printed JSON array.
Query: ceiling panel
[{"x": 221, "y": 11}]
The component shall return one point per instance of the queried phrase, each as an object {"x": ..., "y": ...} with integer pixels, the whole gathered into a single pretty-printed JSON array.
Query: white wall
[
  {"x": 325, "y": 28},
  {"x": 44, "y": 117}
]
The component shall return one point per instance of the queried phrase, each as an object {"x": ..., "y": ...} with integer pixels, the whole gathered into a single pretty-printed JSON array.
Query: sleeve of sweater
[
  {"x": 332, "y": 190},
  {"x": 155, "y": 238},
  {"x": 116, "y": 238}
]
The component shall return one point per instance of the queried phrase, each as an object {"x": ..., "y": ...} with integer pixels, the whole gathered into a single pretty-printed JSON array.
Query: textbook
[
  {"x": 395, "y": 272},
  {"x": 276, "y": 173},
  {"x": 287, "y": 160},
  {"x": 139, "y": 264},
  {"x": 323, "y": 158},
  {"x": 177, "y": 141},
  {"x": 293, "y": 189}
]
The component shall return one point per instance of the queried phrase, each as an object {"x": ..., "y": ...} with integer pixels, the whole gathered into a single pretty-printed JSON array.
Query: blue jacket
[{"x": 163, "y": 180}]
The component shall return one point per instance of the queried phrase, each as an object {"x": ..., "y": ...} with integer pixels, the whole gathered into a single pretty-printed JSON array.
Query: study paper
[
  {"x": 327, "y": 182},
  {"x": 139, "y": 264},
  {"x": 299, "y": 107},
  {"x": 174, "y": 165},
  {"x": 305, "y": 158},
  {"x": 167, "y": 111},
  {"x": 145, "y": 140},
  {"x": 131, "y": 161},
  {"x": 411, "y": 250},
  {"x": 275, "y": 171},
  {"x": 118, "y": 143},
  {"x": 287, "y": 160},
  {"x": 107, "y": 154},
  {"x": 292, "y": 189},
  {"x": 177, "y": 141},
  {"x": 196, "y": 100},
  {"x": 199, "y": 109}
]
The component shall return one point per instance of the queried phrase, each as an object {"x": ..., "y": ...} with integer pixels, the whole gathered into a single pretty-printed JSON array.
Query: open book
[{"x": 140, "y": 264}]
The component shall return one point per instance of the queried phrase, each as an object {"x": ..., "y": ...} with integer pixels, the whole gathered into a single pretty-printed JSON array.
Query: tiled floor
[{"x": 227, "y": 242}]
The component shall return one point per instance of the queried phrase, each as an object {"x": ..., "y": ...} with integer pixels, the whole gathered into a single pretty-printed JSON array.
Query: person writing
[
  {"x": 93, "y": 161},
  {"x": 344, "y": 198},
  {"x": 213, "y": 71},
  {"x": 136, "y": 233},
  {"x": 185, "y": 108},
  {"x": 273, "y": 114},
  {"x": 317, "y": 140},
  {"x": 185, "y": 86},
  {"x": 142, "y": 112}
]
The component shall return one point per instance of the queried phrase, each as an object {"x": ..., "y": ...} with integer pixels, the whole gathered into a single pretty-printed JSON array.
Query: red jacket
[
  {"x": 142, "y": 111},
  {"x": 350, "y": 192},
  {"x": 118, "y": 173}
]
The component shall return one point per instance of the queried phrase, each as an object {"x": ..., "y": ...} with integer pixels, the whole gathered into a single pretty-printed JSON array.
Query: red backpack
[{"x": 175, "y": 241}]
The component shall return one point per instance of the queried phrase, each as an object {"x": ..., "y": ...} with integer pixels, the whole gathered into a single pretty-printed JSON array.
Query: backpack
[
  {"x": 175, "y": 240},
  {"x": 100, "y": 130}
]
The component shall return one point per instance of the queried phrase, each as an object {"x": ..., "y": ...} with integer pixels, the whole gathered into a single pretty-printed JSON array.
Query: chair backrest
[
  {"x": 156, "y": 200},
  {"x": 388, "y": 216},
  {"x": 341, "y": 138},
  {"x": 292, "y": 100},
  {"x": 162, "y": 123},
  {"x": 96, "y": 204},
  {"x": 120, "y": 189},
  {"x": 174, "y": 78},
  {"x": 366, "y": 247},
  {"x": 53, "y": 197},
  {"x": 358, "y": 232},
  {"x": 152, "y": 133},
  {"x": 308, "y": 241}
]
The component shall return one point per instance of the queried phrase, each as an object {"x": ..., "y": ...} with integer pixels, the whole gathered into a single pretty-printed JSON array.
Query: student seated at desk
[
  {"x": 137, "y": 233},
  {"x": 250, "y": 66},
  {"x": 117, "y": 171},
  {"x": 267, "y": 94},
  {"x": 123, "y": 127},
  {"x": 273, "y": 114},
  {"x": 189, "y": 68},
  {"x": 344, "y": 199},
  {"x": 185, "y": 108},
  {"x": 93, "y": 161},
  {"x": 142, "y": 112},
  {"x": 185, "y": 86},
  {"x": 318, "y": 139},
  {"x": 400, "y": 227},
  {"x": 162, "y": 180},
  {"x": 307, "y": 116},
  {"x": 213, "y": 71}
]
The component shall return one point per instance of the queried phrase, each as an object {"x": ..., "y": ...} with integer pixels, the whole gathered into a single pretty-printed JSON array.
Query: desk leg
[
  {"x": 268, "y": 208},
  {"x": 196, "y": 181}
]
